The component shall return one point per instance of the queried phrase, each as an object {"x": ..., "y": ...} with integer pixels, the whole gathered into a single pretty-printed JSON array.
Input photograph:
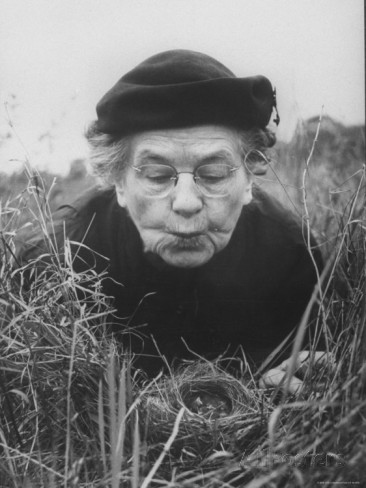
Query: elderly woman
[{"x": 197, "y": 260}]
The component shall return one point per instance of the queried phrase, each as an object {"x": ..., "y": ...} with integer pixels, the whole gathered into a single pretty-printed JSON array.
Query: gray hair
[
  {"x": 253, "y": 146},
  {"x": 109, "y": 154}
]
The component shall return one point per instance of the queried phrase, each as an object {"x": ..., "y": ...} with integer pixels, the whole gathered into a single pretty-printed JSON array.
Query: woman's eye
[
  {"x": 213, "y": 176},
  {"x": 158, "y": 180},
  {"x": 158, "y": 177},
  {"x": 213, "y": 173}
]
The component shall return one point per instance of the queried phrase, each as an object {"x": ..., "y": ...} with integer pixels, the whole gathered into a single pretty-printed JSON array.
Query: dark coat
[{"x": 251, "y": 294}]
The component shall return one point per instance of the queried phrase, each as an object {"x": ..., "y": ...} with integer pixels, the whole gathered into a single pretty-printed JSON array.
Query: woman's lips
[
  {"x": 188, "y": 240},
  {"x": 187, "y": 235}
]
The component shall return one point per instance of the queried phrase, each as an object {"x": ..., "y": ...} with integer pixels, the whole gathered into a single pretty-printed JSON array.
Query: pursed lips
[
  {"x": 187, "y": 235},
  {"x": 188, "y": 240}
]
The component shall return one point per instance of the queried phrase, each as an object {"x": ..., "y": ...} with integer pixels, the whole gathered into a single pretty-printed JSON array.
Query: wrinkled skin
[{"x": 185, "y": 228}]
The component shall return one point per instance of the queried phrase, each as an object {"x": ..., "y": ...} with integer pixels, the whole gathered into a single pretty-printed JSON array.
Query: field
[{"x": 75, "y": 413}]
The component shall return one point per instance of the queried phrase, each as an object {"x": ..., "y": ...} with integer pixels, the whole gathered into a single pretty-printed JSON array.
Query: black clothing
[{"x": 252, "y": 293}]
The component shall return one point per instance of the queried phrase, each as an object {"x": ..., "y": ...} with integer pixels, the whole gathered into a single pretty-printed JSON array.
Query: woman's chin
[{"x": 187, "y": 258}]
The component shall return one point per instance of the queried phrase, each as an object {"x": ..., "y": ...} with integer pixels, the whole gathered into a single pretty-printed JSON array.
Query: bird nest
[{"x": 220, "y": 412}]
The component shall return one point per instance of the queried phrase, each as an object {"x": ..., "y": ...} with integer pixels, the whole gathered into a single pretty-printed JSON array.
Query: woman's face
[{"x": 185, "y": 227}]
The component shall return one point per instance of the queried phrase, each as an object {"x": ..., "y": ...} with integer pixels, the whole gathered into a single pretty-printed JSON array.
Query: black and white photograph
[{"x": 182, "y": 244}]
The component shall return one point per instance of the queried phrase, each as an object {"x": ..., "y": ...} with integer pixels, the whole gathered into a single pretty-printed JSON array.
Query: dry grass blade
[{"x": 165, "y": 450}]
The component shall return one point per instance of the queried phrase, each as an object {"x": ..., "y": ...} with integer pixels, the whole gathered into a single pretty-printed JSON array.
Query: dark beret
[{"x": 182, "y": 88}]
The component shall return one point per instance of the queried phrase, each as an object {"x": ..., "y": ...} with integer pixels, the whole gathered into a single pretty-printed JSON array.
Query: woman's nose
[{"x": 187, "y": 198}]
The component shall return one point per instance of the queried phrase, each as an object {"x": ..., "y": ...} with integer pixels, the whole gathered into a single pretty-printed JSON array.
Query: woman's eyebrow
[
  {"x": 221, "y": 155},
  {"x": 148, "y": 157}
]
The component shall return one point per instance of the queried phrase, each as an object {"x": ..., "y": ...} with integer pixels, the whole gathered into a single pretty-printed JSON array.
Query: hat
[{"x": 181, "y": 88}]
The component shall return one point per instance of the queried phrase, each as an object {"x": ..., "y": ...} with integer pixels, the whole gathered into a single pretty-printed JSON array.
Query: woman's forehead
[{"x": 205, "y": 142}]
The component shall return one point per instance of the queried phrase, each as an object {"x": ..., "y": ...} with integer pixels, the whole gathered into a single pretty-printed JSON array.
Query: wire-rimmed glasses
[{"x": 213, "y": 180}]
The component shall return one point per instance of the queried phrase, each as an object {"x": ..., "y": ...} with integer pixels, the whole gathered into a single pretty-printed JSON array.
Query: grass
[{"x": 74, "y": 413}]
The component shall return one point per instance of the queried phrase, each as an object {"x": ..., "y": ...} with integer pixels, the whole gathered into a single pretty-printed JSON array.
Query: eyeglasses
[{"x": 213, "y": 180}]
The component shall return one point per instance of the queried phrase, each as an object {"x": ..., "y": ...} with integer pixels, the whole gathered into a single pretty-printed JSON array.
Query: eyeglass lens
[{"x": 212, "y": 179}]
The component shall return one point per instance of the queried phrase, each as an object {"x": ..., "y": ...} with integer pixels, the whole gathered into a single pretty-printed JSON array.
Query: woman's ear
[
  {"x": 248, "y": 194},
  {"x": 120, "y": 192},
  {"x": 258, "y": 167},
  {"x": 256, "y": 163}
]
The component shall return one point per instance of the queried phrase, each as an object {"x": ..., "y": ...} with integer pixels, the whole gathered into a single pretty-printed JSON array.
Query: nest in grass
[{"x": 221, "y": 413}]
